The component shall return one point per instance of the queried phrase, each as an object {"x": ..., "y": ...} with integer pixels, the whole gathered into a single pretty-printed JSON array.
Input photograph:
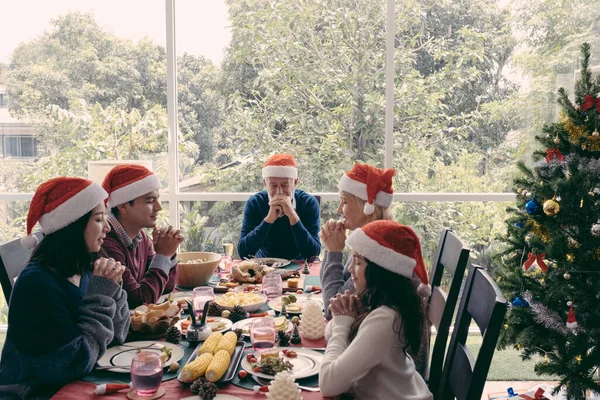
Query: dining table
[{"x": 174, "y": 390}]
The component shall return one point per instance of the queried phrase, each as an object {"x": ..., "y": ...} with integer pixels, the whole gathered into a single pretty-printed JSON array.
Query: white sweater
[{"x": 374, "y": 365}]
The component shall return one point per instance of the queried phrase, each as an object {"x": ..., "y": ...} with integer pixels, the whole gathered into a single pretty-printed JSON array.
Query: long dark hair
[
  {"x": 386, "y": 288},
  {"x": 65, "y": 251}
]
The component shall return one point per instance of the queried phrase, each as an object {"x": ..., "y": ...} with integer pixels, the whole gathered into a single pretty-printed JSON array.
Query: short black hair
[
  {"x": 115, "y": 210},
  {"x": 65, "y": 251}
]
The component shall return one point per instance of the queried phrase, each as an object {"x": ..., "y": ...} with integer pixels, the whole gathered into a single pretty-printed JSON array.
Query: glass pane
[
  {"x": 27, "y": 147},
  {"x": 294, "y": 78},
  {"x": 475, "y": 83},
  {"x": 89, "y": 83},
  {"x": 207, "y": 225},
  {"x": 11, "y": 147}
]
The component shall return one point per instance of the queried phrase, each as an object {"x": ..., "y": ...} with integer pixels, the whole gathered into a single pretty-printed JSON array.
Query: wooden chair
[
  {"x": 13, "y": 258},
  {"x": 452, "y": 257},
  {"x": 482, "y": 301}
]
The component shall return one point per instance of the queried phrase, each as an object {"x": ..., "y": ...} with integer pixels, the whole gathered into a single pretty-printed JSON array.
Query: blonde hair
[{"x": 380, "y": 213}]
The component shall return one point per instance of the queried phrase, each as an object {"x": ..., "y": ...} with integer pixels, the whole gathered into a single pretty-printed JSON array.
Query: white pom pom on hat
[{"x": 29, "y": 241}]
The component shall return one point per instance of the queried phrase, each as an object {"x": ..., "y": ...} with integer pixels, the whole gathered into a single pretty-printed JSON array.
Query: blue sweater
[
  {"x": 57, "y": 330},
  {"x": 280, "y": 239}
]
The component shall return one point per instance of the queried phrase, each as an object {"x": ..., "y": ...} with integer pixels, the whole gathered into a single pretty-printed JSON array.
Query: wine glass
[
  {"x": 272, "y": 285},
  {"x": 200, "y": 296},
  {"x": 262, "y": 334},
  {"x": 146, "y": 373}
]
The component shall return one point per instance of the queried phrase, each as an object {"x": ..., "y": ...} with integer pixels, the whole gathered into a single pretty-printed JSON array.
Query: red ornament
[
  {"x": 539, "y": 259},
  {"x": 551, "y": 153},
  {"x": 590, "y": 102}
]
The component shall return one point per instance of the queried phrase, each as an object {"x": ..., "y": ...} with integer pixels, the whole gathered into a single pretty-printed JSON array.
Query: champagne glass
[
  {"x": 200, "y": 296},
  {"x": 146, "y": 373},
  {"x": 262, "y": 334}
]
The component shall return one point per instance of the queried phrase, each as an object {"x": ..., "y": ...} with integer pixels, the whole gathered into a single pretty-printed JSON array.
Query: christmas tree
[{"x": 550, "y": 266}]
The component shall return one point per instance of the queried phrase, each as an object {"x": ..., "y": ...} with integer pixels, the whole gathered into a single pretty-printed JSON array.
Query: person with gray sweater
[{"x": 67, "y": 305}]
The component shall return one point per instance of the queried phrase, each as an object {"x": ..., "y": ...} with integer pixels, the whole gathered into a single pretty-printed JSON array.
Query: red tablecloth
[{"x": 174, "y": 390}]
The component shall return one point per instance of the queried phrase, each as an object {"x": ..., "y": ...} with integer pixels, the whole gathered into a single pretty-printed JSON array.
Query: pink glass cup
[
  {"x": 262, "y": 334},
  {"x": 200, "y": 296},
  {"x": 272, "y": 285},
  {"x": 146, "y": 373}
]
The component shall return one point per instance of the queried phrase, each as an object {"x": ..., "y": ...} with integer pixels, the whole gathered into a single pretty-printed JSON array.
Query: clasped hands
[
  {"x": 281, "y": 205},
  {"x": 333, "y": 236},
  {"x": 345, "y": 304},
  {"x": 166, "y": 240},
  {"x": 109, "y": 269}
]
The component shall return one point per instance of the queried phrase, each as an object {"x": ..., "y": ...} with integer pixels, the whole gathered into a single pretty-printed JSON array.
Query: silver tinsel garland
[
  {"x": 590, "y": 165},
  {"x": 548, "y": 318}
]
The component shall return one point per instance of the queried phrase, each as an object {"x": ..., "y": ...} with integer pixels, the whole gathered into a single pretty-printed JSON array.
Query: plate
[
  {"x": 275, "y": 303},
  {"x": 244, "y": 325},
  {"x": 122, "y": 355},
  {"x": 308, "y": 363},
  {"x": 272, "y": 262},
  {"x": 214, "y": 325},
  {"x": 238, "y": 353},
  {"x": 239, "y": 298},
  {"x": 176, "y": 297},
  {"x": 219, "y": 396}
]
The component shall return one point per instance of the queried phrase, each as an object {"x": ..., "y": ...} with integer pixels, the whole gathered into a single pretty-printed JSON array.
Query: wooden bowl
[{"x": 196, "y": 274}]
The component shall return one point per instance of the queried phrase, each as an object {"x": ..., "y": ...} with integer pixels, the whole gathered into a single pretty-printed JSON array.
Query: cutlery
[
  {"x": 113, "y": 367},
  {"x": 265, "y": 382}
]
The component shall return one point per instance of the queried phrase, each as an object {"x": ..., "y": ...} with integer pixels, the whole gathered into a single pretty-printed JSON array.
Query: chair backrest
[
  {"x": 482, "y": 301},
  {"x": 13, "y": 258},
  {"x": 452, "y": 257}
]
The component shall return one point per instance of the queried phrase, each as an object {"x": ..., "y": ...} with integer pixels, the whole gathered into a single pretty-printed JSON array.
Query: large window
[
  {"x": 206, "y": 91},
  {"x": 19, "y": 146}
]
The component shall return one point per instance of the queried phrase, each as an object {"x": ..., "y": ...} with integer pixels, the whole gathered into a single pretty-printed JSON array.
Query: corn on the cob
[
  {"x": 228, "y": 342},
  {"x": 218, "y": 366},
  {"x": 210, "y": 344},
  {"x": 196, "y": 368}
]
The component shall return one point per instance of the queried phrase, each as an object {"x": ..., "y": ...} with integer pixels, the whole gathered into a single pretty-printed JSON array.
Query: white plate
[
  {"x": 272, "y": 262},
  {"x": 219, "y": 396},
  {"x": 308, "y": 363},
  {"x": 248, "y": 307},
  {"x": 275, "y": 303},
  {"x": 244, "y": 325},
  {"x": 122, "y": 355},
  {"x": 176, "y": 296}
]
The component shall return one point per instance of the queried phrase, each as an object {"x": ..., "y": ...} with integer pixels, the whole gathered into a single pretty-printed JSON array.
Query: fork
[{"x": 264, "y": 382}]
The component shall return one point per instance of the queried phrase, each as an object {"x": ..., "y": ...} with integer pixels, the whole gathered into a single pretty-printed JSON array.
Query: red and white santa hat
[
  {"x": 392, "y": 246},
  {"x": 571, "y": 320},
  {"x": 280, "y": 166},
  {"x": 127, "y": 182},
  {"x": 60, "y": 202},
  {"x": 371, "y": 184}
]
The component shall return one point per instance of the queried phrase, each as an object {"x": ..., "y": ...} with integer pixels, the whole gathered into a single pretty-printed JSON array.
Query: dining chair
[
  {"x": 451, "y": 257},
  {"x": 482, "y": 301},
  {"x": 13, "y": 258}
]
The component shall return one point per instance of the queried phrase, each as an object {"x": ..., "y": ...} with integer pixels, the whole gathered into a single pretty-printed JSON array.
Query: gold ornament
[
  {"x": 578, "y": 358},
  {"x": 575, "y": 131},
  {"x": 505, "y": 326},
  {"x": 570, "y": 257},
  {"x": 556, "y": 140},
  {"x": 593, "y": 143},
  {"x": 551, "y": 207},
  {"x": 595, "y": 133},
  {"x": 540, "y": 231},
  {"x": 567, "y": 276},
  {"x": 545, "y": 358}
]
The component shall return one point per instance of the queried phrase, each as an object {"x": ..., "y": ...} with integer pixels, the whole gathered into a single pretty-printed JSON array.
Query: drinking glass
[
  {"x": 200, "y": 296},
  {"x": 228, "y": 257},
  {"x": 262, "y": 333},
  {"x": 146, "y": 373},
  {"x": 272, "y": 285}
]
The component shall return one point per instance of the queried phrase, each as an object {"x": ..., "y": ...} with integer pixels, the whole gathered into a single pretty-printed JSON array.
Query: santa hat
[
  {"x": 392, "y": 246},
  {"x": 128, "y": 182},
  {"x": 60, "y": 202},
  {"x": 373, "y": 185},
  {"x": 571, "y": 321},
  {"x": 280, "y": 166}
]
